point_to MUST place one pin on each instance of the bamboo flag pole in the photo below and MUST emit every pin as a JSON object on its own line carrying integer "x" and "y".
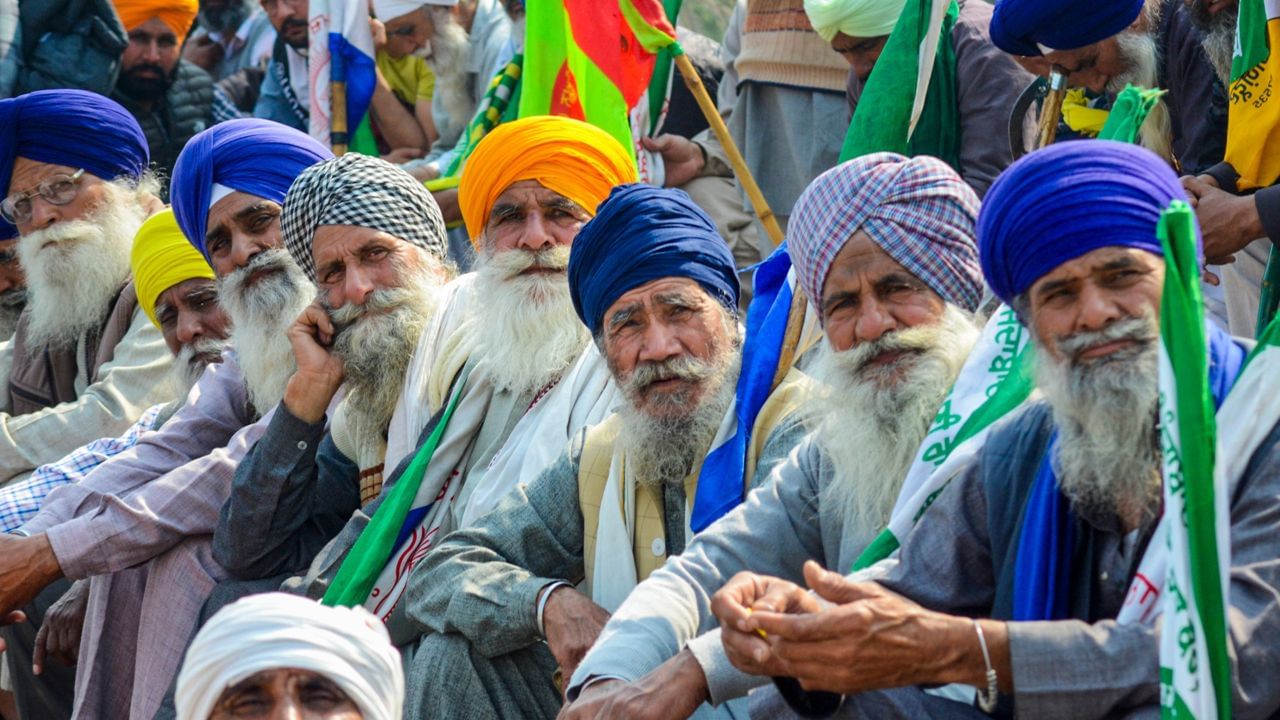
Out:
{"x": 795, "y": 319}
{"x": 338, "y": 117}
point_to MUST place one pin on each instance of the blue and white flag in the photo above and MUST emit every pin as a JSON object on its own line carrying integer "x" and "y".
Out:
{"x": 341, "y": 51}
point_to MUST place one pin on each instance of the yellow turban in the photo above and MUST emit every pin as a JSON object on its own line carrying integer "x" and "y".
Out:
{"x": 162, "y": 258}
{"x": 577, "y": 160}
{"x": 177, "y": 15}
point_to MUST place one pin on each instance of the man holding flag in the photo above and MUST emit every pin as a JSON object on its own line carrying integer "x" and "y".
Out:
{"x": 1038, "y": 576}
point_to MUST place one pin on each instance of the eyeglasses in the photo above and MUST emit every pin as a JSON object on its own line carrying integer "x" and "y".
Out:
{"x": 406, "y": 31}
{"x": 56, "y": 190}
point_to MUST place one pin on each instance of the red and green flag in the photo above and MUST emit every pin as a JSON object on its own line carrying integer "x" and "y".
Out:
{"x": 592, "y": 59}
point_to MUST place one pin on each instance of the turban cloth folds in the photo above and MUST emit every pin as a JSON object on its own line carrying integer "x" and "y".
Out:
{"x": 1019, "y": 27}
{"x": 365, "y": 192}
{"x": 855, "y": 18}
{"x": 162, "y": 258}
{"x": 918, "y": 210}
{"x": 74, "y": 128}
{"x": 391, "y": 9}
{"x": 257, "y": 157}
{"x": 177, "y": 15}
{"x": 641, "y": 234}
{"x": 275, "y": 631}
{"x": 578, "y": 160}
{"x": 1069, "y": 199}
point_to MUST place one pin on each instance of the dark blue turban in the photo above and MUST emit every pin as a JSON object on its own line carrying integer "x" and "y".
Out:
{"x": 1068, "y": 199}
{"x": 253, "y": 156}
{"x": 75, "y": 128}
{"x": 640, "y": 234}
{"x": 1017, "y": 26}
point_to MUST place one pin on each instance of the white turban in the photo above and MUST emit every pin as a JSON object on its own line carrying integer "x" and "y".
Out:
{"x": 386, "y": 10}
{"x": 277, "y": 630}
{"x": 856, "y": 18}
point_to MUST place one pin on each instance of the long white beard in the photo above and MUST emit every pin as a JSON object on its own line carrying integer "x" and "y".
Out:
{"x": 1105, "y": 412}
{"x": 72, "y": 281}
{"x": 526, "y": 327}
{"x": 664, "y": 449}
{"x": 449, "y": 53}
{"x": 1141, "y": 59}
{"x": 261, "y": 315}
{"x": 376, "y": 342}
{"x": 871, "y": 431}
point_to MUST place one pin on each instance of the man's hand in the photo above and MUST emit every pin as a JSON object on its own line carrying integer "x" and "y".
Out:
{"x": 59, "y": 635}
{"x": 27, "y": 565}
{"x": 874, "y": 639}
{"x": 448, "y": 202}
{"x": 740, "y": 598}
{"x": 1228, "y": 222}
{"x": 682, "y": 157}
{"x": 379, "y": 32}
{"x": 423, "y": 173}
{"x": 675, "y": 689}
{"x": 572, "y": 623}
{"x": 400, "y": 156}
{"x": 203, "y": 52}
{"x": 319, "y": 373}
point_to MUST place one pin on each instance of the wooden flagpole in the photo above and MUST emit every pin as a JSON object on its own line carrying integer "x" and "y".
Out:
{"x": 338, "y": 117}
{"x": 795, "y": 318}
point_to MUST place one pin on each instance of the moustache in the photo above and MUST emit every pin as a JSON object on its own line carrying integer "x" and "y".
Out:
{"x": 1140, "y": 330}
{"x": 911, "y": 341}
{"x": 688, "y": 369}
{"x": 378, "y": 302}
{"x": 512, "y": 263}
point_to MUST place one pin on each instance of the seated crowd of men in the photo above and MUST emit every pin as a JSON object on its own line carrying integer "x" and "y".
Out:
{"x": 267, "y": 451}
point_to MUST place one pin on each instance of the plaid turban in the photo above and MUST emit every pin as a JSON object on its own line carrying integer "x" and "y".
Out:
{"x": 918, "y": 210}
{"x": 1069, "y": 199}
{"x": 364, "y": 191}
{"x": 578, "y": 160}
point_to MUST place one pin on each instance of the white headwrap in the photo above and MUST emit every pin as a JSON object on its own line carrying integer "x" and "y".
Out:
{"x": 277, "y": 630}
{"x": 856, "y": 18}
{"x": 386, "y": 10}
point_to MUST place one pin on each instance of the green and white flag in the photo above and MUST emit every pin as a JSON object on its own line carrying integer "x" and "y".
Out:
{"x": 1195, "y": 677}
{"x": 995, "y": 379}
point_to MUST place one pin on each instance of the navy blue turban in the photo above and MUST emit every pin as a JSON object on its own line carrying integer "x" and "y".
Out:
{"x": 258, "y": 157}
{"x": 1066, "y": 200}
{"x": 1018, "y": 27}
{"x": 75, "y": 128}
{"x": 640, "y": 234}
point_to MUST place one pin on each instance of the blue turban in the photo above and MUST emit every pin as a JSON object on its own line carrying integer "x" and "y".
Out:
{"x": 75, "y": 128}
{"x": 1018, "y": 27}
{"x": 258, "y": 157}
{"x": 640, "y": 234}
{"x": 1066, "y": 200}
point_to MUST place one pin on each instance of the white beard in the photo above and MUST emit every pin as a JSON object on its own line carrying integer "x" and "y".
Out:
{"x": 12, "y": 303}
{"x": 72, "y": 281}
{"x": 526, "y": 327}
{"x": 190, "y": 363}
{"x": 1105, "y": 413}
{"x": 448, "y": 53}
{"x": 664, "y": 449}
{"x": 261, "y": 316}
{"x": 871, "y": 432}
{"x": 376, "y": 342}
{"x": 1140, "y": 57}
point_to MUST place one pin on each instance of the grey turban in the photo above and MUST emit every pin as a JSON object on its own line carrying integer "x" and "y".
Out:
{"x": 364, "y": 191}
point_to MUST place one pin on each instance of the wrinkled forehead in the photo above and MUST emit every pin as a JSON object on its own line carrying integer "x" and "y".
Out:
{"x": 662, "y": 291}
{"x": 1100, "y": 260}
{"x": 526, "y": 194}
{"x": 28, "y": 173}
{"x": 228, "y": 207}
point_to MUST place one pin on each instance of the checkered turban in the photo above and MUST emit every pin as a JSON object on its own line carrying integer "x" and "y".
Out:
{"x": 918, "y": 210}
{"x": 364, "y": 191}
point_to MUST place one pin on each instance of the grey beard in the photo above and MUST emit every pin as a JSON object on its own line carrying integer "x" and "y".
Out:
{"x": 1218, "y": 36}
{"x": 1107, "y": 461}
{"x": 376, "y": 342}
{"x": 189, "y": 364}
{"x": 12, "y": 303}
{"x": 871, "y": 432}
{"x": 261, "y": 315}
{"x": 449, "y": 56}
{"x": 663, "y": 450}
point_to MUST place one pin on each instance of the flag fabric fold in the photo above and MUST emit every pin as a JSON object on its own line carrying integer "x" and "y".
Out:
{"x": 341, "y": 51}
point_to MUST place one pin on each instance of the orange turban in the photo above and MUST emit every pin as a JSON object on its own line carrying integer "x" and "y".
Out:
{"x": 570, "y": 157}
{"x": 177, "y": 15}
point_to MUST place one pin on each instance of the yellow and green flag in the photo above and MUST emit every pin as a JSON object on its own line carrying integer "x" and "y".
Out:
{"x": 1253, "y": 120}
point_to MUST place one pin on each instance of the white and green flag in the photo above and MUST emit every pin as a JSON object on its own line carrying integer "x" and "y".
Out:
{"x": 995, "y": 379}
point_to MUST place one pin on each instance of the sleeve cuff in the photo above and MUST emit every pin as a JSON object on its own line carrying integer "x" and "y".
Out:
{"x": 1225, "y": 175}
{"x": 287, "y": 437}
{"x": 724, "y": 681}
{"x": 1267, "y": 200}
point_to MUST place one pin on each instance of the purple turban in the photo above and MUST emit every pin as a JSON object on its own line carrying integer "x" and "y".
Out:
{"x": 1066, "y": 200}
{"x": 75, "y": 128}
{"x": 918, "y": 210}
{"x": 1019, "y": 27}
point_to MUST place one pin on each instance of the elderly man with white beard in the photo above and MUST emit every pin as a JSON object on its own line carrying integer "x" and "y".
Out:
{"x": 505, "y": 351}
{"x": 655, "y": 285}
{"x": 1022, "y": 578}
{"x": 885, "y": 247}
{"x": 372, "y": 239}
{"x": 85, "y": 361}
{"x": 139, "y": 524}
